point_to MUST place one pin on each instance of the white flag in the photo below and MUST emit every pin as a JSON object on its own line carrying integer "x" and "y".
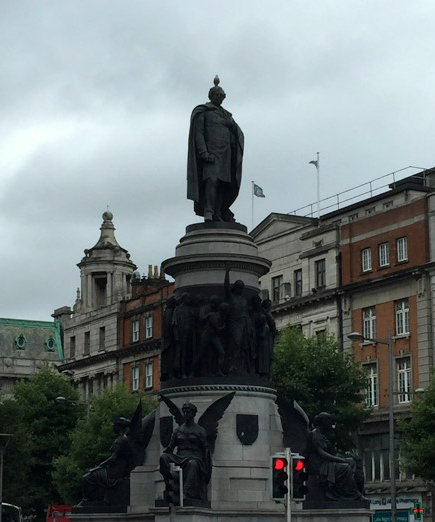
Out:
{"x": 258, "y": 191}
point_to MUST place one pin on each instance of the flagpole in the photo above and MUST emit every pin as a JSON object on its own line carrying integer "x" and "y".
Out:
{"x": 252, "y": 215}
{"x": 318, "y": 187}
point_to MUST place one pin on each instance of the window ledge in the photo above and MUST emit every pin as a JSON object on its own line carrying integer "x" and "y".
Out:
{"x": 368, "y": 343}
{"x": 401, "y": 336}
{"x": 383, "y": 267}
{"x": 363, "y": 272}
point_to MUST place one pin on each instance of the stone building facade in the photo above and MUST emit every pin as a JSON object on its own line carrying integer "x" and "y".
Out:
{"x": 90, "y": 332}
{"x": 26, "y": 346}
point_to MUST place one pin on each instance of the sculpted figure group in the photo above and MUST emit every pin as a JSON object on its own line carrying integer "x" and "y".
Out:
{"x": 217, "y": 337}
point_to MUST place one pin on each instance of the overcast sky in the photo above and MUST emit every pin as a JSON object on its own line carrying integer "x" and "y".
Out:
{"x": 96, "y": 96}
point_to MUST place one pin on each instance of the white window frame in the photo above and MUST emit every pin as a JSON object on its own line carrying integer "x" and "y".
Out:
{"x": 402, "y": 249}
{"x": 369, "y": 322}
{"x": 372, "y": 390}
{"x": 402, "y": 317}
{"x": 404, "y": 379}
{"x": 149, "y": 371}
{"x": 148, "y": 325}
{"x": 366, "y": 259}
{"x": 135, "y": 331}
{"x": 384, "y": 254}
{"x": 135, "y": 378}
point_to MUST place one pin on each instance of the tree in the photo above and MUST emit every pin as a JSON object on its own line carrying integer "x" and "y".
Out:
{"x": 40, "y": 432}
{"x": 320, "y": 377}
{"x": 418, "y": 443}
{"x": 91, "y": 439}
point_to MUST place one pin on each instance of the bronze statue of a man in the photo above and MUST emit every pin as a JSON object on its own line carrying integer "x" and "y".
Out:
{"x": 214, "y": 169}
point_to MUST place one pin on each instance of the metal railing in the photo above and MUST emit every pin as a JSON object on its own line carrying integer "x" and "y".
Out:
{"x": 358, "y": 193}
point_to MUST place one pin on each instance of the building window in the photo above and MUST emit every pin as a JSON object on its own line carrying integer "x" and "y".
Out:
{"x": 276, "y": 289}
{"x": 384, "y": 254}
{"x": 388, "y": 204}
{"x": 135, "y": 331}
{"x": 298, "y": 282}
{"x": 369, "y": 322}
{"x": 366, "y": 259}
{"x": 148, "y": 325}
{"x": 72, "y": 346}
{"x": 135, "y": 378}
{"x": 353, "y": 217}
{"x": 376, "y": 452}
{"x": 102, "y": 339}
{"x": 402, "y": 317}
{"x": 402, "y": 249}
{"x": 149, "y": 373}
{"x": 370, "y": 211}
{"x": 87, "y": 346}
{"x": 20, "y": 342}
{"x": 50, "y": 344}
{"x": 372, "y": 384}
{"x": 404, "y": 379}
{"x": 320, "y": 268}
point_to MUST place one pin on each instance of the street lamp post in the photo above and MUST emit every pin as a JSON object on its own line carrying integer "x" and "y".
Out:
{"x": 4, "y": 439}
{"x": 356, "y": 336}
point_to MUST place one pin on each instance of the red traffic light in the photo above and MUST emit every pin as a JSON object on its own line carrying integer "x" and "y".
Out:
{"x": 299, "y": 465}
{"x": 280, "y": 464}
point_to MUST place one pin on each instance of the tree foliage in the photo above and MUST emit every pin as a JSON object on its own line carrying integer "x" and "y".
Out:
{"x": 40, "y": 433}
{"x": 418, "y": 443}
{"x": 92, "y": 437}
{"x": 320, "y": 377}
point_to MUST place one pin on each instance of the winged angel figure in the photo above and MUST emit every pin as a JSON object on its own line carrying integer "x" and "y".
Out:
{"x": 339, "y": 476}
{"x": 194, "y": 443}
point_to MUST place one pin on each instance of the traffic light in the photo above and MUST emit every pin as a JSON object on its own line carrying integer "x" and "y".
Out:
{"x": 279, "y": 477}
{"x": 173, "y": 491}
{"x": 299, "y": 478}
{"x": 418, "y": 510}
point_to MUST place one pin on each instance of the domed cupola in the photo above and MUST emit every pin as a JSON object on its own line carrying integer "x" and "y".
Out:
{"x": 106, "y": 270}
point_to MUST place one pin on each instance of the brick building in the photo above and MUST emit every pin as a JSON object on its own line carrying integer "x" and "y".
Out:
{"x": 367, "y": 267}
{"x": 140, "y": 329}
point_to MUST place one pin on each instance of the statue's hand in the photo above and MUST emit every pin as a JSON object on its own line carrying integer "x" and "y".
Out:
{"x": 208, "y": 158}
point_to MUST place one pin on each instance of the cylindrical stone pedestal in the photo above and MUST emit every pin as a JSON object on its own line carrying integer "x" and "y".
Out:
{"x": 205, "y": 252}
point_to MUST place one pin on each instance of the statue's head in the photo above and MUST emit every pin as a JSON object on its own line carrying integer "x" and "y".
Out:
{"x": 216, "y": 94}
{"x": 323, "y": 421}
{"x": 171, "y": 302}
{"x": 214, "y": 301}
{"x": 267, "y": 304}
{"x": 189, "y": 410}
{"x": 185, "y": 298}
{"x": 120, "y": 424}
{"x": 238, "y": 286}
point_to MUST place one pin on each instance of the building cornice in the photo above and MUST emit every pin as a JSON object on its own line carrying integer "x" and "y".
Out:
{"x": 119, "y": 353}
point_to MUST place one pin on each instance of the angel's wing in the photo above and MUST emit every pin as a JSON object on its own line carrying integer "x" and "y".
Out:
{"x": 295, "y": 424}
{"x": 140, "y": 434}
{"x": 209, "y": 420}
{"x": 173, "y": 409}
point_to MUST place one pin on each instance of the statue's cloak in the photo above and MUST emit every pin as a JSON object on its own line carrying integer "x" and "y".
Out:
{"x": 195, "y": 185}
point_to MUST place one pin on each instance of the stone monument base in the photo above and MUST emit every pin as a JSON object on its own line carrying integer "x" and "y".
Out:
{"x": 194, "y": 514}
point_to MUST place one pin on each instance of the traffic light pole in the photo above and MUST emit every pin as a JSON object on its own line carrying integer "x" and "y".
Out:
{"x": 288, "y": 456}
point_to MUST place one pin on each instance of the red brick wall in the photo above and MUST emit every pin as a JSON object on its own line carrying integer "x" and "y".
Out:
{"x": 416, "y": 233}
{"x": 385, "y": 320}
